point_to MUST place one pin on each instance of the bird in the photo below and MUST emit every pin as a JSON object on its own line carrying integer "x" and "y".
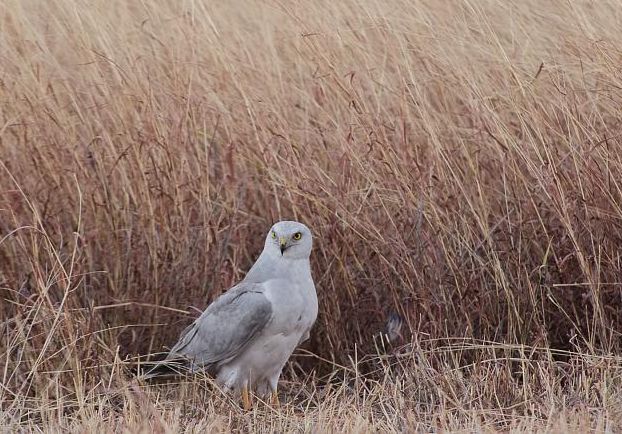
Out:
{"x": 245, "y": 337}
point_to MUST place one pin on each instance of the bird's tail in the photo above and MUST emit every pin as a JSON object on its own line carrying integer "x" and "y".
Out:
{"x": 166, "y": 367}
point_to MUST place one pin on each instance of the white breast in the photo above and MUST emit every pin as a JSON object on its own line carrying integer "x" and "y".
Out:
{"x": 294, "y": 310}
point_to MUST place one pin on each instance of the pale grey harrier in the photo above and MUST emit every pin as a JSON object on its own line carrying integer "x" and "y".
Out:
{"x": 247, "y": 334}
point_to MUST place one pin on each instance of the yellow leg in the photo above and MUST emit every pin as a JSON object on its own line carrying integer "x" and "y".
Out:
{"x": 246, "y": 399}
{"x": 274, "y": 399}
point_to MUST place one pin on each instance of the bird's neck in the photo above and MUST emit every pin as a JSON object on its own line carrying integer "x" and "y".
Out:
{"x": 269, "y": 266}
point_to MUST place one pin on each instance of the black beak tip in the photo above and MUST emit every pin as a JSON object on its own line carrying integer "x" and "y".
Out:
{"x": 283, "y": 250}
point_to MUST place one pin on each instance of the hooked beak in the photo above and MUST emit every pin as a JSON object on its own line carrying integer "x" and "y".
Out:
{"x": 283, "y": 245}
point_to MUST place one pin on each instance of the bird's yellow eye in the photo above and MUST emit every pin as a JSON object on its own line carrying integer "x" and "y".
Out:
{"x": 297, "y": 236}
{"x": 273, "y": 235}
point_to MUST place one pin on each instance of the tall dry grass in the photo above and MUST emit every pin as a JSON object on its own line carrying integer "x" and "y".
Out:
{"x": 458, "y": 161}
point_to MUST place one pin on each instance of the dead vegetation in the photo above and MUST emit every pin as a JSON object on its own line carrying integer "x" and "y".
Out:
{"x": 459, "y": 163}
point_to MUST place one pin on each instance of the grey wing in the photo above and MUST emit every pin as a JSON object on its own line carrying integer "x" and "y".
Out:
{"x": 225, "y": 327}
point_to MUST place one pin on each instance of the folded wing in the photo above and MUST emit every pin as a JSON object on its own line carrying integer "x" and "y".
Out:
{"x": 225, "y": 328}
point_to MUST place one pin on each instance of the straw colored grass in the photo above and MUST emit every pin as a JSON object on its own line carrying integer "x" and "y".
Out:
{"x": 458, "y": 161}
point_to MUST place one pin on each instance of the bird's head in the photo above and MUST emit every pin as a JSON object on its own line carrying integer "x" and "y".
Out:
{"x": 289, "y": 239}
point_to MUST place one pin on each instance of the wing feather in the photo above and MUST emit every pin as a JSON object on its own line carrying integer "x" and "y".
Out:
{"x": 226, "y": 327}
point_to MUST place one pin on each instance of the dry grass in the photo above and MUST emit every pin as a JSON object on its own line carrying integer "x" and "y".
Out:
{"x": 458, "y": 161}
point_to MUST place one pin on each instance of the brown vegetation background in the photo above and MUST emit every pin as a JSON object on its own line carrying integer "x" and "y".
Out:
{"x": 458, "y": 162}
